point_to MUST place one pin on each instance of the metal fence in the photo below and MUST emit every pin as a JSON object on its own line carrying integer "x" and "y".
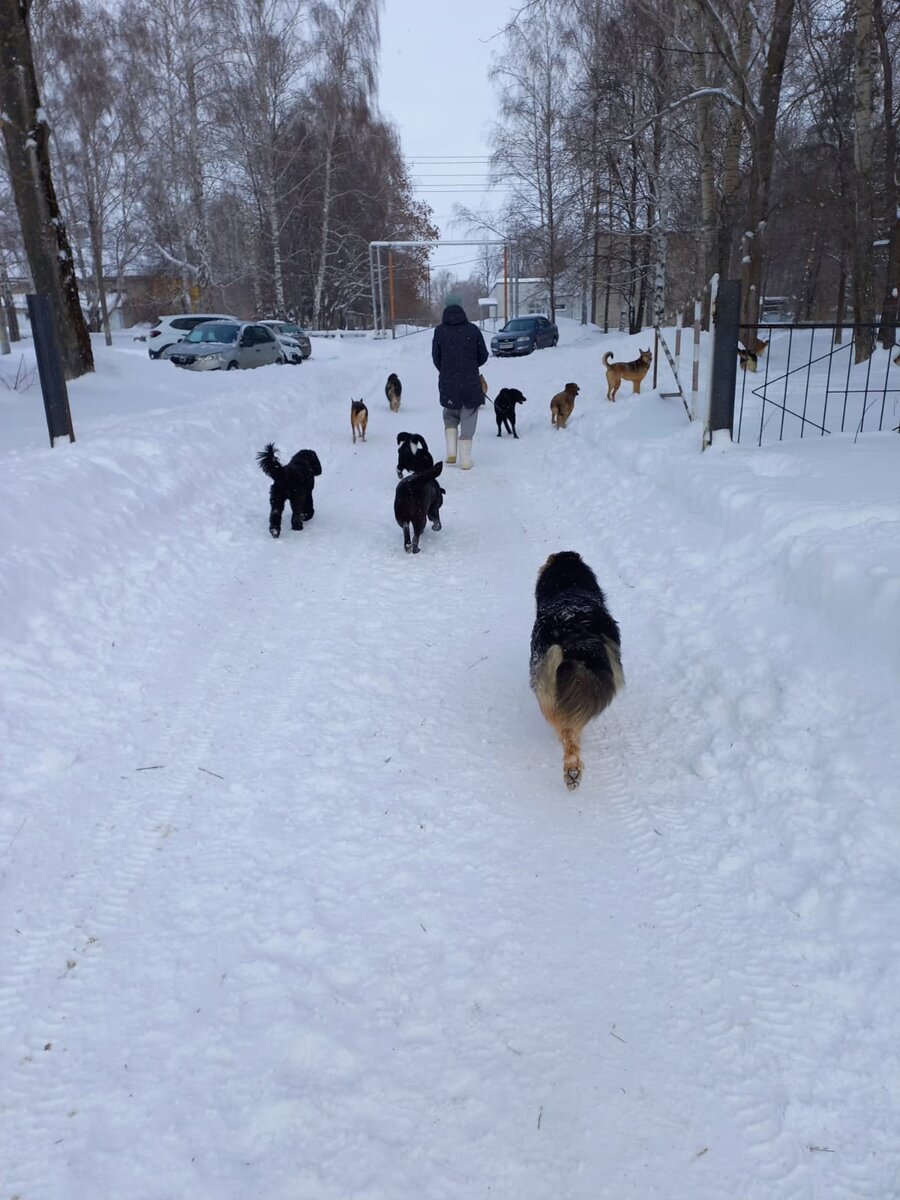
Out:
{"x": 807, "y": 384}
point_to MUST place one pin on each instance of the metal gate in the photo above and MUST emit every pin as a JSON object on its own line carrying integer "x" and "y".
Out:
{"x": 806, "y": 384}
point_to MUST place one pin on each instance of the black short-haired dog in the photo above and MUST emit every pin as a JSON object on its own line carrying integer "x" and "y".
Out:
{"x": 412, "y": 453}
{"x": 505, "y": 410}
{"x": 418, "y": 499}
{"x": 291, "y": 484}
{"x": 393, "y": 389}
{"x": 576, "y": 660}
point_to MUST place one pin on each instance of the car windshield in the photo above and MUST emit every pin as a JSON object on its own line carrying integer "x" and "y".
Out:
{"x": 213, "y": 332}
{"x": 521, "y": 326}
{"x": 289, "y": 330}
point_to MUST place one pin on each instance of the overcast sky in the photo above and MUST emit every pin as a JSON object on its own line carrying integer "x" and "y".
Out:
{"x": 434, "y": 87}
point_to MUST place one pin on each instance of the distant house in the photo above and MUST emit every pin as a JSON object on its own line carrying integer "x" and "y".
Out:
{"x": 532, "y": 295}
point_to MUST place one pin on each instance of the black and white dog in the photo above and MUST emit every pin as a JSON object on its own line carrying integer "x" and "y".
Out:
{"x": 505, "y": 410}
{"x": 418, "y": 499}
{"x": 576, "y": 659}
{"x": 291, "y": 484}
{"x": 412, "y": 453}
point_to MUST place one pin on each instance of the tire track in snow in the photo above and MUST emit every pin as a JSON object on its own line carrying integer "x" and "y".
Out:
{"x": 51, "y": 969}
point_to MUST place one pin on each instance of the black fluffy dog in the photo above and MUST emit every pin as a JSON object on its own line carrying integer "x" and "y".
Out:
{"x": 290, "y": 484}
{"x": 412, "y": 453}
{"x": 576, "y": 661}
{"x": 418, "y": 499}
{"x": 393, "y": 389}
{"x": 505, "y": 409}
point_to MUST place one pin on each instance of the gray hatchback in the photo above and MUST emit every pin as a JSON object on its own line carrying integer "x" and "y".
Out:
{"x": 227, "y": 345}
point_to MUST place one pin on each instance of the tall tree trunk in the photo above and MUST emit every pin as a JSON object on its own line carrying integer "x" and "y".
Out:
{"x": 890, "y": 308}
{"x": 27, "y": 137}
{"x": 763, "y": 146}
{"x": 863, "y": 256}
{"x": 97, "y": 256}
{"x": 325, "y": 228}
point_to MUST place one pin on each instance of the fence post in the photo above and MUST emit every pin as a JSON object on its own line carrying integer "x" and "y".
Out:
{"x": 724, "y": 364}
{"x": 695, "y": 370}
{"x": 50, "y": 369}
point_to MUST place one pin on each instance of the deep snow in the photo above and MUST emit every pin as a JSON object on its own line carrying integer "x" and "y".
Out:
{"x": 293, "y": 901}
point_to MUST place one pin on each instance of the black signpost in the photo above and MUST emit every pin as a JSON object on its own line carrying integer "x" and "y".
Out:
{"x": 50, "y": 369}
{"x": 724, "y": 364}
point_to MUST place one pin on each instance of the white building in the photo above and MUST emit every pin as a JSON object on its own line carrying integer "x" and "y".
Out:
{"x": 527, "y": 296}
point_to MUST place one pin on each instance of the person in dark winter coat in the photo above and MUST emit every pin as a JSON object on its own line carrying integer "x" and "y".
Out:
{"x": 458, "y": 350}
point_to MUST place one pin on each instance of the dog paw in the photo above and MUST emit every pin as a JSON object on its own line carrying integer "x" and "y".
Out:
{"x": 436, "y": 525}
{"x": 275, "y": 532}
{"x": 572, "y": 777}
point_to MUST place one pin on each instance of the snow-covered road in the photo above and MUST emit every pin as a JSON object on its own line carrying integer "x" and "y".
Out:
{"x": 294, "y": 901}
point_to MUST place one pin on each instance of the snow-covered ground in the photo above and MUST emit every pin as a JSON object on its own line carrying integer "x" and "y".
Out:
{"x": 293, "y": 901}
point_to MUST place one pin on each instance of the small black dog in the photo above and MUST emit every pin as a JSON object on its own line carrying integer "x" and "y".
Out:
{"x": 412, "y": 453}
{"x": 393, "y": 389}
{"x": 505, "y": 410}
{"x": 576, "y": 661}
{"x": 292, "y": 483}
{"x": 418, "y": 499}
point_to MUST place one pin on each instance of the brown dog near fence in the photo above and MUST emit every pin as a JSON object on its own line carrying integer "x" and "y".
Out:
{"x": 633, "y": 371}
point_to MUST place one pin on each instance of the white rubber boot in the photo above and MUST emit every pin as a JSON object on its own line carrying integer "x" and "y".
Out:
{"x": 465, "y": 454}
{"x": 451, "y": 435}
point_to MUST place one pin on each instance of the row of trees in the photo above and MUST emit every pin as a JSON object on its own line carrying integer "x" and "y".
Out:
{"x": 647, "y": 147}
{"x": 229, "y": 150}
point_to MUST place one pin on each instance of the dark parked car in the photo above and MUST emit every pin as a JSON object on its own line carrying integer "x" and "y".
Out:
{"x": 521, "y": 335}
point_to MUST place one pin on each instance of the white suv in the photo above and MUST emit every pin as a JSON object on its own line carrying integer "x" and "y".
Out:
{"x": 169, "y": 330}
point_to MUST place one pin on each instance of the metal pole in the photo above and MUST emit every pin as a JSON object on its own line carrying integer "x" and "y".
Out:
{"x": 380, "y": 285}
{"x": 372, "y": 283}
{"x": 391, "y": 288}
{"x": 505, "y": 283}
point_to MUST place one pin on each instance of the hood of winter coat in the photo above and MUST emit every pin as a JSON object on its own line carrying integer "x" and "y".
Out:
{"x": 454, "y": 314}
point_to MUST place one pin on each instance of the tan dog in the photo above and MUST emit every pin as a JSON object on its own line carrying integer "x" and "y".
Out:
{"x": 562, "y": 405}
{"x": 758, "y": 347}
{"x": 632, "y": 371}
{"x": 359, "y": 419}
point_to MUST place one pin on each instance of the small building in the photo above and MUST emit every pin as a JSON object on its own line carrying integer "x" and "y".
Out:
{"x": 532, "y": 295}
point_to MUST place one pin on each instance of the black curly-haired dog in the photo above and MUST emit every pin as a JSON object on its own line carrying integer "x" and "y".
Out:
{"x": 576, "y": 660}
{"x": 412, "y": 453}
{"x": 418, "y": 499}
{"x": 393, "y": 389}
{"x": 505, "y": 410}
{"x": 291, "y": 484}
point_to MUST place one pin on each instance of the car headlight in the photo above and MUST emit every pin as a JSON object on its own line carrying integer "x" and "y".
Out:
{"x": 524, "y": 340}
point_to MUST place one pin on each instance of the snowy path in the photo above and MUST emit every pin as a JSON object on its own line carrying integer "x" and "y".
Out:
{"x": 320, "y": 920}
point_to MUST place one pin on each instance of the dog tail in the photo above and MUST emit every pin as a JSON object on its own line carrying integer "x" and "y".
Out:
{"x": 572, "y": 692}
{"x": 607, "y": 358}
{"x": 268, "y": 461}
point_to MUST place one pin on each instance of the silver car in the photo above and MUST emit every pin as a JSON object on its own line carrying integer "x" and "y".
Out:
{"x": 227, "y": 345}
{"x": 289, "y": 329}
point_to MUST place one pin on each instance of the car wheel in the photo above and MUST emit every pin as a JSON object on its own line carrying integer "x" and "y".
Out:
{"x": 154, "y": 353}
{"x": 534, "y": 346}
{"x": 555, "y": 342}
{"x": 232, "y": 366}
